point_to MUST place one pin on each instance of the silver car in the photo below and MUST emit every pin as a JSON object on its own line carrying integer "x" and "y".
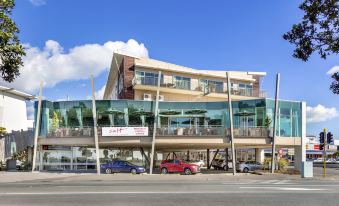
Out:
{"x": 248, "y": 166}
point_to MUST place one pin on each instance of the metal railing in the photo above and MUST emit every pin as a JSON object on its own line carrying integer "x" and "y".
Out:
{"x": 71, "y": 132}
{"x": 201, "y": 130}
{"x": 191, "y": 131}
{"x": 249, "y": 132}
{"x": 186, "y": 85}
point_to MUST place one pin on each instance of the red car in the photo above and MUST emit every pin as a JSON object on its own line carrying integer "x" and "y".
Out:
{"x": 180, "y": 166}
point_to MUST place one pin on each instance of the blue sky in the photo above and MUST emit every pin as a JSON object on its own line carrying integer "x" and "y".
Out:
{"x": 225, "y": 35}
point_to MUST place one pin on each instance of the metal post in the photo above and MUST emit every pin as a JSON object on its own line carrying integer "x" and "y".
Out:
{"x": 231, "y": 120}
{"x": 324, "y": 152}
{"x": 226, "y": 158}
{"x": 155, "y": 122}
{"x": 276, "y": 105}
{"x": 94, "y": 112}
{"x": 208, "y": 159}
{"x": 37, "y": 128}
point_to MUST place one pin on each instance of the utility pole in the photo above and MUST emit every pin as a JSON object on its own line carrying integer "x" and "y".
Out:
{"x": 231, "y": 120}
{"x": 37, "y": 128}
{"x": 155, "y": 123}
{"x": 96, "y": 140}
{"x": 324, "y": 152}
{"x": 276, "y": 105}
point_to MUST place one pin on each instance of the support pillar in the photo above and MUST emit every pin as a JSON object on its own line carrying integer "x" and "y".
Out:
{"x": 188, "y": 155}
{"x": 300, "y": 151}
{"x": 259, "y": 155}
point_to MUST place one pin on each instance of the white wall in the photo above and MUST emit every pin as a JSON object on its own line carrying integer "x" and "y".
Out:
{"x": 13, "y": 113}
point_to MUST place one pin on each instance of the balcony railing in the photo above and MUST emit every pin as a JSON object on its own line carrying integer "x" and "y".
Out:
{"x": 193, "y": 131}
{"x": 71, "y": 132}
{"x": 187, "y": 85}
{"x": 249, "y": 132}
{"x": 202, "y": 130}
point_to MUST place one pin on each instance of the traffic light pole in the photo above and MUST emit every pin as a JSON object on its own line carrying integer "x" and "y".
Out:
{"x": 324, "y": 151}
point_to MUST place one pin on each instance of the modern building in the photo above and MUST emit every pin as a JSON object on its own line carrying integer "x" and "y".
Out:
{"x": 184, "y": 110}
{"x": 13, "y": 113}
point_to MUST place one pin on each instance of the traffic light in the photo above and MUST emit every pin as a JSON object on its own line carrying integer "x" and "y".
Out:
{"x": 321, "y": 147}
{"x": 329, "y": 137}
{"x": 322, "y": 138}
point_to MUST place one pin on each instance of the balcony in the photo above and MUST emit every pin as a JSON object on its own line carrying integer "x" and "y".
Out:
{"x": 193, "y": 131}
{"x": 71, "y": 132}
{"x": 207, "y": 130}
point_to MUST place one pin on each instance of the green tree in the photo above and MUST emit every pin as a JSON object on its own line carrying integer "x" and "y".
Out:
{"x": 2, "y": 131}
{"x": 11, "y": 51}
{"x": 318, "y": 32}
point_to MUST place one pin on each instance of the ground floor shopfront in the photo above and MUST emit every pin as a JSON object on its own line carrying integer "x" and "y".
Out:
{"x": 83, "y": 158}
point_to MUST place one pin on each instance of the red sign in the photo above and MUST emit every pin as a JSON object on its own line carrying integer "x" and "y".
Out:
{"x": 316, "y": 147}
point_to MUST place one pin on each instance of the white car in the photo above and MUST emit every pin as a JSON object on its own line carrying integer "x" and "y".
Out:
{"x": 200, "y": 163}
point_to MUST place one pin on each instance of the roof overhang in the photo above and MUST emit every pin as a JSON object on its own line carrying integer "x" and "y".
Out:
{"x": 17, "y": 93}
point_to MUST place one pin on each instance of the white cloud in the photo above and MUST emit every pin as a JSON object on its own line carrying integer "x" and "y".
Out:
{"x": 38, "y": 2}
{"x": 320, "y": 113}
{"x": 100, "y": 93}
{"x": 53, "y": 65}
{"x": 333, "y": 70}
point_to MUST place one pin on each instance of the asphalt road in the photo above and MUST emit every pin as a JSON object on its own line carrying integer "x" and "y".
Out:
{"x": 146, "y": 190}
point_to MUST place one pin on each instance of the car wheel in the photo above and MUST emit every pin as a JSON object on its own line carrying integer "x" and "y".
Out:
{"x": 187, "y": 171}
{"x": 245, "y": 170}
{"x": 164, "y": 170}
{"x": 108, "y": 171}
{"x": 133, "y": 171}
{"x": 225, "y": 168}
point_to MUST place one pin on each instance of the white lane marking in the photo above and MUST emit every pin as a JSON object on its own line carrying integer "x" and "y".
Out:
{"x": 285, "y": 188}
{"x": 112, "y": 192}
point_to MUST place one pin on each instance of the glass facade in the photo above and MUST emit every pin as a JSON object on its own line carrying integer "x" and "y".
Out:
{"x": 84, "y": 158}
{"x": 250, "y": 117}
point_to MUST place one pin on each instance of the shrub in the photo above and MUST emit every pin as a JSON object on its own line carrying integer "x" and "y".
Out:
{"x": 282, "y": 163}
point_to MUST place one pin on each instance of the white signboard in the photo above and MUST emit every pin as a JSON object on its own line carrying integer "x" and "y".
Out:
{"x": 124, "y": 131}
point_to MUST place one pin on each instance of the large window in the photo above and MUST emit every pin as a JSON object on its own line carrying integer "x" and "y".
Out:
{"x": 242, "y": 89}
{"x": 182, "y": 82}
{"x": 211, "y": 86}
{"x": 148, "y": 78}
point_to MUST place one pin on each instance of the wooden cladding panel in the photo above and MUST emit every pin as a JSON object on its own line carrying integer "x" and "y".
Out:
{"x": 127, "y": 69}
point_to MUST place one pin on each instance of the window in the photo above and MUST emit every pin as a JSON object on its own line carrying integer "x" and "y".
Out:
{"x": 242, "y": 89}
{"x": 182, "y": 82}
{"x": 148, "y": 78}
{"x": 212, "y": 86}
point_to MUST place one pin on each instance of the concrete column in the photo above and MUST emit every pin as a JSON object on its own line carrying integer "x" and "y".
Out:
{"x": 259, "y": 155}
{"x": 300, "y": 151}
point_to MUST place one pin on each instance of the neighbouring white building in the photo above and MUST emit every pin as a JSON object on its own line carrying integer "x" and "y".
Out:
{"x": 13, "y": 112}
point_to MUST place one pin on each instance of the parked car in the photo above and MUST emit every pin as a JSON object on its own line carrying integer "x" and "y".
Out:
{"x": 220, "y": 164}
{"x": 200, "y": 163}
{"x": 122, "y": 166}
{"x": 169, "y": 166}
{"x": 248, "y": 166}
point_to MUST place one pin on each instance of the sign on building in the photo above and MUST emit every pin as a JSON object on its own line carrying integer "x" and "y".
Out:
{"x": 124, "y": 131}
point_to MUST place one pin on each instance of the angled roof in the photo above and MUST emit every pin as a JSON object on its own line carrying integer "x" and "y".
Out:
{"x": 16, "y": 92}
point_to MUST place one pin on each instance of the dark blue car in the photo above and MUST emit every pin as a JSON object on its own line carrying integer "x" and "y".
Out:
{"x": 122, "y": 166}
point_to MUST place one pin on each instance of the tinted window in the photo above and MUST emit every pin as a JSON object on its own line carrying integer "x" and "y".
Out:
{"x": 115, "y": 163}
{"x": 176, "y": 162}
